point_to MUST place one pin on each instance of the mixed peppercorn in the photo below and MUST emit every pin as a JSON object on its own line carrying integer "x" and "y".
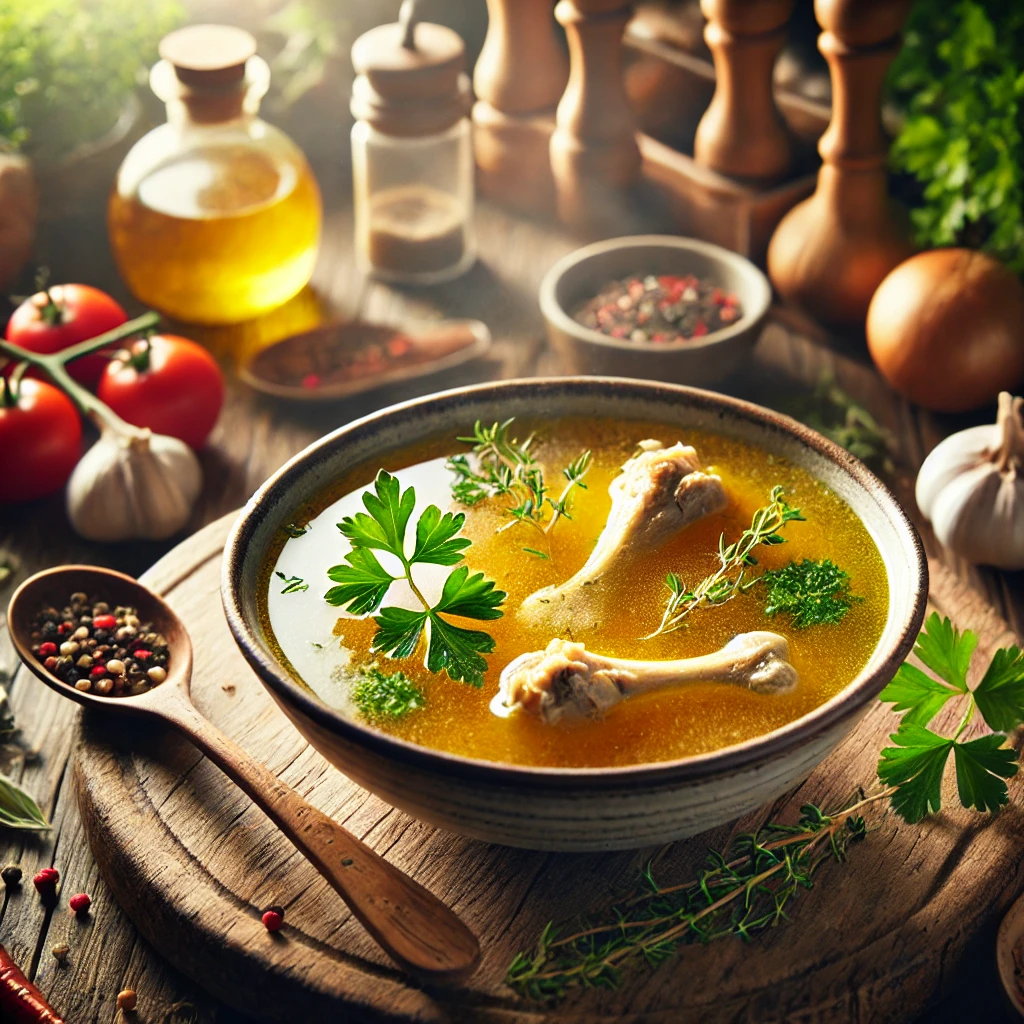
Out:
{"x": 661, "y": 308}
{"x": 99, "y": 649}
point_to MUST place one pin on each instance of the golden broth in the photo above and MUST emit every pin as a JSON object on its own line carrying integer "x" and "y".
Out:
{"x": 655, "y": 727}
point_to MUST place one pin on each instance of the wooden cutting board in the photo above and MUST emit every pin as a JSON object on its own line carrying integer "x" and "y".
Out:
{"x": 193, "y": 863}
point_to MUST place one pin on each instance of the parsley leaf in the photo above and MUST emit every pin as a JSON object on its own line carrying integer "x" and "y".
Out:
{"x": 916, "y": 693}
{"x": 981, "y": 767}
{"x": 364, "y": 582}
{"x": 435, "y": 537}
{"x": 915, "y": 766}
{"x": 457, "y": 651}
{"x": 398, "y": 632}
{"x": 1000, "y": 694}
{"x": 389, "y": 511}
{"x": 382, "y": 695}
{"x": 946, "y": 651}
{"x": 811, "y": 593}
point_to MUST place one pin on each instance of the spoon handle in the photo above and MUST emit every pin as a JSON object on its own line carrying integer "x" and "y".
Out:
{"x": 420, "y": 933}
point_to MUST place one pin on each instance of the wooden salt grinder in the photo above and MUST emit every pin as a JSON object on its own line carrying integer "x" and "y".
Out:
{"x": 594, "y": 152}
{"x": 519, "y": 78}
{"x": 831, "y": 252}
{"x": 742, "y": 133}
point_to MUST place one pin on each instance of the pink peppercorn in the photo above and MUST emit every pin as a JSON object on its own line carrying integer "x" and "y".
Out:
{"x": 273, "y": 918}
{"x": 142, "y": 654}
{"x": 46, "y": 882}
{"x": 98, "y": 670}
{"x": 80, "y": 903}
{"x": 47, "y": 649}
{"x": 104, "y": 622}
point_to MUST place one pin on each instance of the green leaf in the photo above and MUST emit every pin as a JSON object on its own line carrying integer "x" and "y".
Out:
{"x": 916, "y": 693}
{"x": 292, "y": 584}
{"x": 382, "y": 695}
{"x": 399, "y": 631}
{"x": 473, "y": 597}
{"x": 436, "y": 542}
{"x": 811, "y": 593}
{"x": 981, "y": 767}
{"x": 915, "y": 766}
{"x": 18, "y": 809}
{"x": 364, "y": 582}
{"x": 389, "y": 511}
{"x": 458, "y": 651}
{"x": 1000, "y": 694}
{"x": 946, "y": 651}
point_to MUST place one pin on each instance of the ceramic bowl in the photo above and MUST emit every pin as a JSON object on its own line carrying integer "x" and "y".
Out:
{"x": 585, "y": 808}
{"x": 582, "y": 274}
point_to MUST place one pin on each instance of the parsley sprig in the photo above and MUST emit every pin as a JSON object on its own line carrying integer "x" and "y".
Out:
{"x": 363, "y": 582}
{"x": 730, "y": 578}
{"x": 917, "y": 762}
{"x": 811, "y": 593}
{"x": 500, "y": 465}
{"x": 382, "y": 696}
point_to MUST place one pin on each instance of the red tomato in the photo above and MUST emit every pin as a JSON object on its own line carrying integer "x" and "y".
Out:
{"x": 40, "y": 441}
{"x": 62, "y": 316}
{"x": 175, "y": 388}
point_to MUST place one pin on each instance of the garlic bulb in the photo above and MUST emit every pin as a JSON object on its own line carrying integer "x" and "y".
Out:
{"x": 971, "y": 488}
{"x": 133, "y": 485}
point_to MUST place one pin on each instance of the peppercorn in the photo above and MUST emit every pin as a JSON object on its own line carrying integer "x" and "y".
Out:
{"x": 80, "y": 903}
{"x": 273, "y": 918}
{"x": 46, "y": 883}
{"x": 60, "y": 954}
{"x": 11, "y": 876}
{"x": 127, "y": 999}
{"x": 104, "y": 622}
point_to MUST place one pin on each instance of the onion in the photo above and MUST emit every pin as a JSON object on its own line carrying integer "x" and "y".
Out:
{"x": 946, "y": 329}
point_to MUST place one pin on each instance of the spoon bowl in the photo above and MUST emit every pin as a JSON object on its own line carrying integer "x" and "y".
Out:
{"x": 412, "y": 926}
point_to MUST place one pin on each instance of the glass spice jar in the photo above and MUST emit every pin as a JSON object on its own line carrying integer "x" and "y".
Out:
{"x": 412, "y": 152}
{"x": 215, "y": 216}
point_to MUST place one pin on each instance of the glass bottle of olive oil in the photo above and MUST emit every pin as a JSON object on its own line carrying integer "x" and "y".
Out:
{"x": 215, "y": 216}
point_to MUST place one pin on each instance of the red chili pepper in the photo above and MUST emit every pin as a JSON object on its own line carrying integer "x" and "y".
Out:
{"x": 20, "y": 1001}
{"x": 46, "y": 649}
{"x": 104, "y": 622}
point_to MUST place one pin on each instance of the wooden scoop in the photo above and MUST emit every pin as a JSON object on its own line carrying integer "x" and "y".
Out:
{"x": 412, "y": 926}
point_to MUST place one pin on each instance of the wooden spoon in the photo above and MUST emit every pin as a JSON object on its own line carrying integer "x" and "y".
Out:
{"x": 414, "y": 928}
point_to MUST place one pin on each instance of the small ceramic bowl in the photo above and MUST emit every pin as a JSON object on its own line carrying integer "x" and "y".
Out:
{"x": 582, "y": 274}
{"x": 578, "y": 808}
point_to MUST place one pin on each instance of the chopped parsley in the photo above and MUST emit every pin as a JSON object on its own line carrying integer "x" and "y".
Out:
{"x": 811, "y": 593}
{"x": 381, "y": 695}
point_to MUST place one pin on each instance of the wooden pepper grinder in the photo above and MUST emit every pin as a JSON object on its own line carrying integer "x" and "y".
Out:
{"x": 519, "y": 78}
{"x": 594, "y": 152}
{"x": 831, "y": 252}
{"x": 742, "y": 133}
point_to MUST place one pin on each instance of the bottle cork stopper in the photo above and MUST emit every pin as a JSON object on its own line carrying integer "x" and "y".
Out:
{"x": 208, "y": 56}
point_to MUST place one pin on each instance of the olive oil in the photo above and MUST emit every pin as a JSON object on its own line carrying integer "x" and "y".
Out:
{"x": 320, "y": 644}
{"x": 218, "y": 235}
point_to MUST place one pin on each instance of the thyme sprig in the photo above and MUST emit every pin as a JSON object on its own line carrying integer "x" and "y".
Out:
{"x": 730, "y": 578}
{"x": 500, "y": 465}
{"x": 741, "y": 891}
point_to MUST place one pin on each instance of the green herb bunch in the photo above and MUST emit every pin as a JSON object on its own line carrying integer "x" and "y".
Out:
{"x": 741, "y": 891}
{"x": 960, "y": 81}
{"x": 69, "y": 67}
{"x": 381, "y": 695}
{"x": 363, "y": 582}
{"x": 915, "y": 765}
{"x": 500, "y": 465}
{"x": 730, "y": 578}
{"x": 811, "y": 593}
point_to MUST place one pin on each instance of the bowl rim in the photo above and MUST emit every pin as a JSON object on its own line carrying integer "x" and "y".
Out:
{"x": 749, "y": 754}
{"x": 557, "y": 316}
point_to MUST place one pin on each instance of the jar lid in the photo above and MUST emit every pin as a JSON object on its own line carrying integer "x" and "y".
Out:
{"x": 208, "y": 56}
{"x": 412, "y": 78}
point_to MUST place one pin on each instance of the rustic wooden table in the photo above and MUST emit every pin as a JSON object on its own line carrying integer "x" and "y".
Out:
{"x": 255, "y": 436}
